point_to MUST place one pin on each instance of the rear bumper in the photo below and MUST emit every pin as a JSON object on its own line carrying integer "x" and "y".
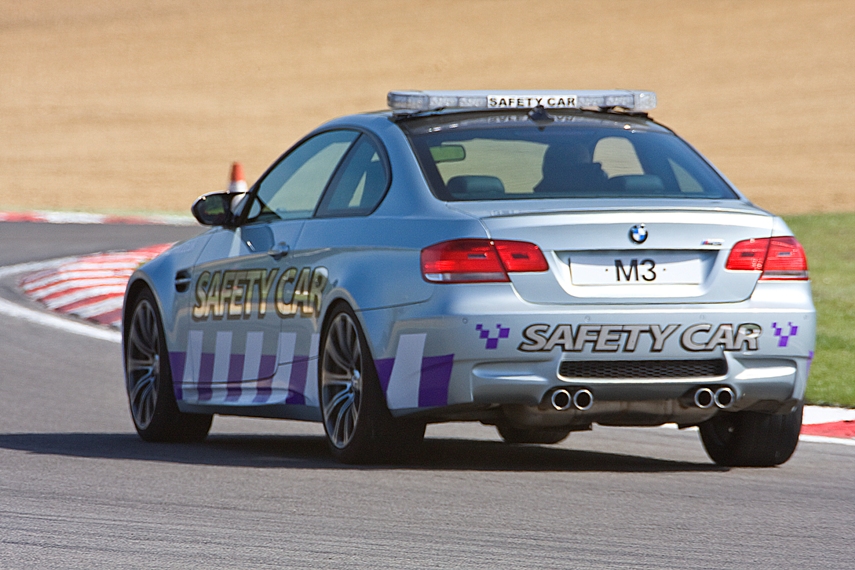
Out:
{"x": 760, "y": 384}
{"x": 482, "y": 348}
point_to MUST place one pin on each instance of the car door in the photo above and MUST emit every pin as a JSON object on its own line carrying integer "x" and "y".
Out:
{"x": 329, "y": 246}
{"x": 244, "y": 282}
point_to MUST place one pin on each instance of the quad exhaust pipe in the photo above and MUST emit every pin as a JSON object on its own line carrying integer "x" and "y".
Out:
{"x": 581, "y": 399}
{"x": 724, "y": 397}
{"x": 705, "y": 398}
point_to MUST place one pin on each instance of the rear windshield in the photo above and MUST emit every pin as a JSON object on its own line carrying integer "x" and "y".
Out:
{"x": 521, "y": 159}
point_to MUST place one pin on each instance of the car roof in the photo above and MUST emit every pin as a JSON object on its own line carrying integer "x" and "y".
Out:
{"x": 416, "y": 109}
{"x": 467, "y": 118}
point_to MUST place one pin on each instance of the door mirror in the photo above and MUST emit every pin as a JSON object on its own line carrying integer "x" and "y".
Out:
{"x": 216, "y": 209}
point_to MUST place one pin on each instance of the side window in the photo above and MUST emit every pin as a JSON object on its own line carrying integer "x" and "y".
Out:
{"x": 686, "y": 182}
{"x": 359, "y": 184}
{"x": 292, "y": 189}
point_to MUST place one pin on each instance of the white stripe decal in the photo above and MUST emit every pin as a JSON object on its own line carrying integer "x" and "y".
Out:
{"x": 252, "y": 355}
{"x": 403, "y": 390}
{"x": 310, "y": 393}
{"x": 251, "y": 365}
{"x": 285, "y": 356}
{"x": 192, "y": 363}
{"x": 222, "y": 357}
{"x": 59, "y": 323}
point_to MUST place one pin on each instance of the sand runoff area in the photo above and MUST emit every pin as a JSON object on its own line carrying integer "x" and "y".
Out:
{"x": 140, "y": 106}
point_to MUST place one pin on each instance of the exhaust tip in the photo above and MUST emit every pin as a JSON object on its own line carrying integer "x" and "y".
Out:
{"x": 561, "y": 400}
{"x": 724, "y": 397}
{"x": 583, "y": 399}
{"x": 704, "y": 398}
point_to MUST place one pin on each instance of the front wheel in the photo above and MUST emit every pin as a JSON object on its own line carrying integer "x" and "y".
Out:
{"x": 148, "y": 379}
{"x": 357, "y": 423}
{"x": 752, "y": 439}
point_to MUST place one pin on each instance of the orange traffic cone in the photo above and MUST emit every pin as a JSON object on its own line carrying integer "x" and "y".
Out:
{"x": 238, "y": 182}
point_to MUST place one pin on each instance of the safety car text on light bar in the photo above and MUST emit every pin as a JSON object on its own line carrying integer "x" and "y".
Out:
{"x": 531, "y": 101}
{"x": 417, "y": 101}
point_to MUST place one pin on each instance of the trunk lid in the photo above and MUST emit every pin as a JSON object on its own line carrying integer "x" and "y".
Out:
{"x": 631, "y": 255}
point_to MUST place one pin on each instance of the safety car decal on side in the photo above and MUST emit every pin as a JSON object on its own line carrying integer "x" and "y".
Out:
{"x": 248, "y": 377}
{"x": 246, "y": 294}
{"x": 413, "y": 380}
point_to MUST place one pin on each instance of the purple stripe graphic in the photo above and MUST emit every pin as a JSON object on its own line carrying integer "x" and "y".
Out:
{"x": 267, "y": 366}
{"x": 297, "y": 384}
{"x": 206, "y": 375}
{"x": 436, "y": 374}
{"x": 384, "y": 371}
{"x": 233, "y": 387}
{"x": 177, "y": 361}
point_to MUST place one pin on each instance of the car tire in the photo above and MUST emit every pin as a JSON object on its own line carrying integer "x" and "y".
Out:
{"x": 148, "y": 379}
{"x": 752, "y": 439}
{"x": 357, "y": 421}
{"x": 515, "y": 435}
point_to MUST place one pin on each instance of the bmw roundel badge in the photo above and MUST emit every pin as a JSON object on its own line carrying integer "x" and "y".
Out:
{"x": 638, "y": 234}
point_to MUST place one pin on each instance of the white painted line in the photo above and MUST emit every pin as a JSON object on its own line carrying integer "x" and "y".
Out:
{"x": 99, "y": 308}
{"x": 809, "y": 410}
{"x": 63, "y": 286}
{"x": 823, "y": 439}
{"x": 46, "y": 319}
{"x": 84, "y": 218}
{"x": 10, "y": 270}
{"x": 83, "y": 294}
{"x": 93, "y": 331}
{"x": 827, "y": 415}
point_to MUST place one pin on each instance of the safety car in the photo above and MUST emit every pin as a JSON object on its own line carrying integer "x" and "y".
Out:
{"x": 540, "y": 261}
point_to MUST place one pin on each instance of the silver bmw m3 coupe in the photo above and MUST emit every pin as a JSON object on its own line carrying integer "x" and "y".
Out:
{"x": 537, "y": 261}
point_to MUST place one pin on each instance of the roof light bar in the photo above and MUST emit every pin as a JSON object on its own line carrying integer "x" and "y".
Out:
{"x": 417, "y": 101}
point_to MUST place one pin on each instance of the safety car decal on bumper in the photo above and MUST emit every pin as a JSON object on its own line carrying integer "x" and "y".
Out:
{"x": 700, "y": 337}
{"x": 413, "y": 380}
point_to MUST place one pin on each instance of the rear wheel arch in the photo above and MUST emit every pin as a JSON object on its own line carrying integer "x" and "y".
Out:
{"x": 353, "y": 407}
{"x": 330, "y": 311}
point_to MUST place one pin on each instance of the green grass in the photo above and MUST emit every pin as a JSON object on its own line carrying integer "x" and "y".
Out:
{"x": 829, "y": 240}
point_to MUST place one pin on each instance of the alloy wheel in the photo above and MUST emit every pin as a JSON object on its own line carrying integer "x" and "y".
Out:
{"x": 143, "y": 363}
{"x": 341, "y": 380}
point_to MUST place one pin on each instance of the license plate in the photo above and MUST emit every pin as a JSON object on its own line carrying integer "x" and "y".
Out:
{"x": 660, "y": 268}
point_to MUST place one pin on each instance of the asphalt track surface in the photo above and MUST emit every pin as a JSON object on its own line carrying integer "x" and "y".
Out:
{"x": 78, "y": 489}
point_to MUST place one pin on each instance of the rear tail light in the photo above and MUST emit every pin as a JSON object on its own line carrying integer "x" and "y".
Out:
{"x": 520, "y": 256}
{"x": 779, "y": 258}
{"x": 480, "y": 260}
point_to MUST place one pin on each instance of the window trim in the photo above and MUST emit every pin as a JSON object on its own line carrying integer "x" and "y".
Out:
{"x": 342, "y": 165}
{"x": 252, "y": 193}
{"x": 437, "y": 188}
{"x": 361, "y": 131}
